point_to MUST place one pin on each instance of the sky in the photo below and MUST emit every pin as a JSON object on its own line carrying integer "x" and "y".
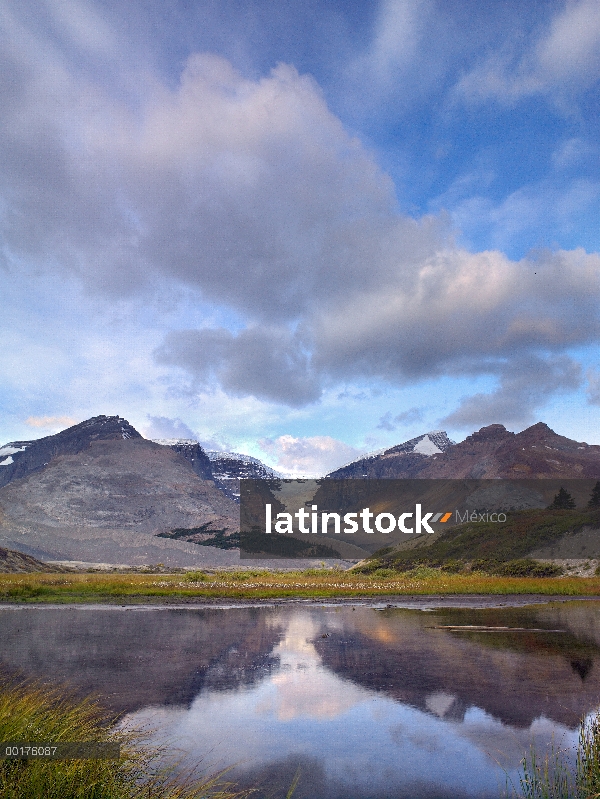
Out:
{"x": 300, "y": 231}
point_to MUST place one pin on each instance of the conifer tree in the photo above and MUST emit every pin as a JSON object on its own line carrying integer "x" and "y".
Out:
{"x": 562, "y": 501}
{"x": 595, "y": 498}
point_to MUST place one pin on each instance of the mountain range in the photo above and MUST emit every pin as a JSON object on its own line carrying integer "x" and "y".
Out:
{"x": 100, "y": 492}
{"x": 492, "y": 452}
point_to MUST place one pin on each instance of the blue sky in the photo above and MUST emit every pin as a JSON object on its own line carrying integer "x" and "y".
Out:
{"x": 303, "y": 231}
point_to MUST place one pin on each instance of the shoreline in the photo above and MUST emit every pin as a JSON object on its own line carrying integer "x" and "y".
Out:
{"x": 415, "y": 602}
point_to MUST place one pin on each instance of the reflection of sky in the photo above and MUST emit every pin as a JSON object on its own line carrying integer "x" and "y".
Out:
{"x": 369, "y": 743}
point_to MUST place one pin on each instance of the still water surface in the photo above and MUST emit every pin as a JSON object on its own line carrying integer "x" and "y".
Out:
{"x": 366, "y": 702}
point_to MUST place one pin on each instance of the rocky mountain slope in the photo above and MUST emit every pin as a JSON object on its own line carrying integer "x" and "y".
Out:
{"x": 537, "y": 452}
{"x": 20, "y": 458}
{"x": 100, "y": 492}
{"x": 108, "y": 502}
{"x": 500, "y": 548}
{"x": 228, "y": 468}
{"x": 402, "y": 460}
{"x": 492, "y": 452}
{"x": 16, "y": 563}
{"x": 192, "y": 452}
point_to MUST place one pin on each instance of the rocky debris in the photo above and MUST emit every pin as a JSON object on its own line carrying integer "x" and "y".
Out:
{"x": 228, "y": 468}
{"x": 581, "y": 544}
{"x": 16, "y": 562}
{"x": 574, "y": 567}
{"x": 75, "y": 545}
{"x": 21, "y": 458}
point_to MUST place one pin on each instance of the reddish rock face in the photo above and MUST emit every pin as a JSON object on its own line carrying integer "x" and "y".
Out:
{"x": 538, "y": 452}
{"x": 493, "y": 452}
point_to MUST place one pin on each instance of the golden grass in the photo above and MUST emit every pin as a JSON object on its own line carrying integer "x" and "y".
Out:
{"x": 82, "y": 587}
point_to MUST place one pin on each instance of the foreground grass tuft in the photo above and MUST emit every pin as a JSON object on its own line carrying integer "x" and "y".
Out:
{"x": 551, "y": 778}
{"x": 32, "y": 713}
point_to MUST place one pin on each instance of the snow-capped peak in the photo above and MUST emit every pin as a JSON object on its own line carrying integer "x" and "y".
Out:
{"x": 426, "y": 447}
{"x": 431, "y": 443}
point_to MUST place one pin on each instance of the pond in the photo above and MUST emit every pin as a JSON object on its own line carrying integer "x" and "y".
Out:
{"x": 365, "y": 701}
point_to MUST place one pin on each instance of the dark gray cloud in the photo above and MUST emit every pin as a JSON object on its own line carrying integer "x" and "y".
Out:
{"x": 526, "y": 384}
{"x": 267, "y": 363}
{"x": 390, "y": 423}
{"x": 453, "y": 313}
{"x": 464, "y": 312}
{"x": 386, "y": 422}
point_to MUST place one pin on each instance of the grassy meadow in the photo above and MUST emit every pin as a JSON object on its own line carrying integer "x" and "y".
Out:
{"x": 262, "y": 585}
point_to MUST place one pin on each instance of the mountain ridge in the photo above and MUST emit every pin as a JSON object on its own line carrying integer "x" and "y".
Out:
{"x": 100, "y": 492}
{"x": 426, "y": 444}
{"x": 491, "y": 452}
{"x": 20, "y": 458}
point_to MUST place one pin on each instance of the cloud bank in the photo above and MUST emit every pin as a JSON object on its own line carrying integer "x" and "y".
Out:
{"x": 251, "y": 193}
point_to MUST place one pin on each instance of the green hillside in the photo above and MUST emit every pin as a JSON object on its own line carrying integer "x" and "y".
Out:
{"x": 488, "y": 546}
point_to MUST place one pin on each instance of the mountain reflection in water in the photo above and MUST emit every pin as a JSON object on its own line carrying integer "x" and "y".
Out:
{"x": 367, "y": 702}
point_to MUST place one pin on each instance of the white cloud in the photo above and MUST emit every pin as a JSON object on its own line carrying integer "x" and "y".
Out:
{"x": 571, "y": 49}
{"x": 396, "y": 41}
{"x": 250, "y": 193}
{"x": 51, "y": 422}
{"x": 593, "y": 386}
{"x": 313, "y": 456}
{"x": 544, "y": 210}
{"x": 565, "y": 57}
{"x": 83, "y": 25}
{"x": 164, "y": 427}
{"x": 571, "y": 152}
